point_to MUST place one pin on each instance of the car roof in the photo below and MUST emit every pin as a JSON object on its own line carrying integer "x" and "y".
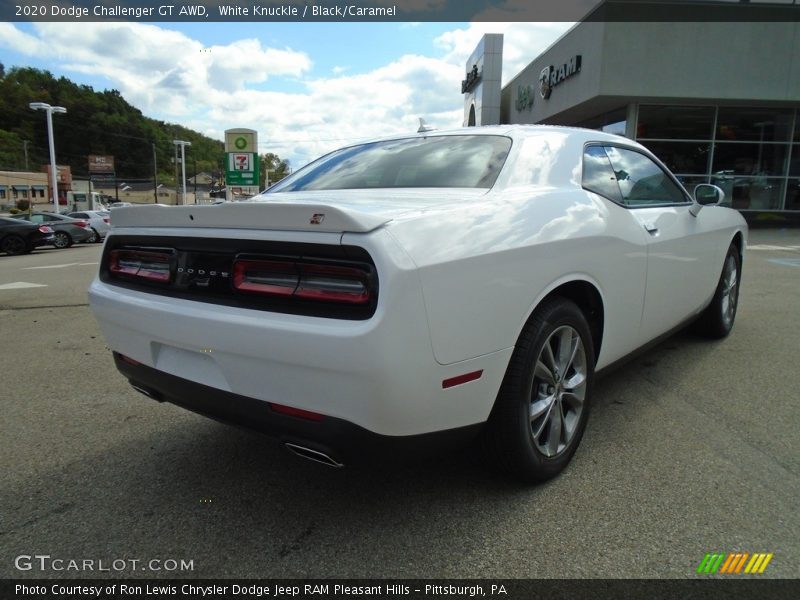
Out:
{"x": 516, "y": 132}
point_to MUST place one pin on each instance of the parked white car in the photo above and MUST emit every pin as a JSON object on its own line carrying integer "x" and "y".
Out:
{"x": 99, "y": 221}
{"x": 402, "y": 294}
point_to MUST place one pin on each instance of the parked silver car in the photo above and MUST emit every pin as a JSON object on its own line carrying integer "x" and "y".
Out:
{"x": 67, "y": 230}
{"x": 99, "y": 221}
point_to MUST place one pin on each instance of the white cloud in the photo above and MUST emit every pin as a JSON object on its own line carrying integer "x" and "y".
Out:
{"x": 172, "y": 77}
{"x": 522, "y": 42}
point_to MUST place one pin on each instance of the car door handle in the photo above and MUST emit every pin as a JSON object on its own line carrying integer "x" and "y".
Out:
{"x": 651, "y": 228}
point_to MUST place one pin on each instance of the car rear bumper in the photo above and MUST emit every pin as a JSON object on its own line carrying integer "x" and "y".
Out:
{"x": 46, "y": 240}
{"x": 343, "y": 442}
{"x": 379, "y": 375}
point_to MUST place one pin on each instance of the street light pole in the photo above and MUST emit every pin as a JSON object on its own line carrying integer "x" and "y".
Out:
{"x": 183, "y": 145}
{"x": 50, "y": 110}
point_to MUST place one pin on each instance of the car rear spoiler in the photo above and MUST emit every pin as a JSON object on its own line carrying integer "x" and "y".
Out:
{"x": 250, "y": 215}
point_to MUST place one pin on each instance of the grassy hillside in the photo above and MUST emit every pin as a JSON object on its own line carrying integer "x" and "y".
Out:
{"x": 95, "y": 123}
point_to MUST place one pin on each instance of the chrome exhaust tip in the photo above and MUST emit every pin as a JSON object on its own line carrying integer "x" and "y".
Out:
{"x": 149, "y": 393}
{"x": 313, "y": 455}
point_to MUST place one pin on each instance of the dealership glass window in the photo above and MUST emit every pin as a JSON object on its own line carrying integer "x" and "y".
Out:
{"x": 793, "y": 194}
{"x": 675, "y": 122}
{"x": 682, "y": 157}
{"x": 2, "y": 193}
{"x": 750, "y": 151}
{"x": 750, "y": 159}
{"x": 752, "y": 193}
{"x": 612, "y": 121}
{"x": 754, "y": 124}
{"x": 794, "y": 162}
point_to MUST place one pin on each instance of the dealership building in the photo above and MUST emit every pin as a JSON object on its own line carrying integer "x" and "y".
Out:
{"x": 717, "y": 102}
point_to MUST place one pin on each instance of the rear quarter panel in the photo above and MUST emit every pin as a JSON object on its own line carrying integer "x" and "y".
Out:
{"x": 485, "y": 267}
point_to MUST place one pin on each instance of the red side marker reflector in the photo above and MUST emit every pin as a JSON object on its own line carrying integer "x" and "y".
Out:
{"x": 296, "y": 412}
{"x": 129, "y": 360}
{"x": 459, "y": 379}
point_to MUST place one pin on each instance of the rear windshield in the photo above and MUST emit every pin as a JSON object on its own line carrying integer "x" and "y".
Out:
{"x": 459, "y": 161}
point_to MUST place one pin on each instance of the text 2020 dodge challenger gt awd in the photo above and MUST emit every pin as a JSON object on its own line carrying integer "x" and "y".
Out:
{"x": 402, "y": 294}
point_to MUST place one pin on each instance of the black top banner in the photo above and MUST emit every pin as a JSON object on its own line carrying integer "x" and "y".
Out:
{"x": 271, "y": 11}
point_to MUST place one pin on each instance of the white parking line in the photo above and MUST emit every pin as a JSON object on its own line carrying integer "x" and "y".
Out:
{"x": 18, "y": 285}
{"x": 771, "y": 247}
{"x": 50, "y": 266}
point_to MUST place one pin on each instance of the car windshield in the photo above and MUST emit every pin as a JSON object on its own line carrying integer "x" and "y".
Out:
{"x": 471, "y": 161}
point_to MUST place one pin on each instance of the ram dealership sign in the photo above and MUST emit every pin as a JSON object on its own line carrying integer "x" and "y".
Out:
{"x": 551, "y": 76}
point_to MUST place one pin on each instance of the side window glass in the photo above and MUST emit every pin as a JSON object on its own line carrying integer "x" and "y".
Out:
{"x": 36, "y": 219}
{"x": 641, "y": 181}
{"x": 598, "y": 176}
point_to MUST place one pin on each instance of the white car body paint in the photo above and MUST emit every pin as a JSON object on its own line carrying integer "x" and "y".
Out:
{"x": 460, "y": 272}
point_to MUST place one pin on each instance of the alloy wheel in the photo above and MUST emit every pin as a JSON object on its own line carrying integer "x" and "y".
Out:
{"x": 558, "y": 391}
{"x": 61, "y": 240}
{"x": 730, "y": 284}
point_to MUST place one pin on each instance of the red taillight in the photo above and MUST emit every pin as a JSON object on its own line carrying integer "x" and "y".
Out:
{"x": 45, "y": 229}
{"x": 141, "y": 264}
{"x": 333, "y": 284}
{"x": 326, "y": 283}
{"x": 106, "y": 220}
{"x": 296, "y": 412}
{"x": 274, "y": 278}
{"x": 83, "y": 224}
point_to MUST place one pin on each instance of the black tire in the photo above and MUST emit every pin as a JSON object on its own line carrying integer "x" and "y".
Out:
{"x": 510, "y": 438}
{"x": 14, "y": 244}
{"x": 717, "y": 319}
{"x": 62, "y": 240}
{"x": 95, "y": 237}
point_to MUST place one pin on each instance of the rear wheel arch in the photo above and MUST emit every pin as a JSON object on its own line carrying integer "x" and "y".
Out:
{"x": 738, "y": 241}
{"x": 588, "y": 298}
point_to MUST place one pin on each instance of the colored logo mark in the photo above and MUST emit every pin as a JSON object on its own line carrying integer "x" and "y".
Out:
{"x": 734, "y": 563}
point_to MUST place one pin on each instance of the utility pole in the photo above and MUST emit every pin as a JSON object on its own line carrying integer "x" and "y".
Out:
{"x": 155, "y": 176}
{"x": 183, "y": 145}
{"x": 175, "y": 160}
{"x": 25, "y": 150}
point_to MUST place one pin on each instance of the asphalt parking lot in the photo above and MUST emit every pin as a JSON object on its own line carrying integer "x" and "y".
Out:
{"x": 693, "y": 447}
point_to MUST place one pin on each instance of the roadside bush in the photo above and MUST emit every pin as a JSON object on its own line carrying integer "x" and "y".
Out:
{"x": 14, "y": 211}
{"x": 23, "y": 204}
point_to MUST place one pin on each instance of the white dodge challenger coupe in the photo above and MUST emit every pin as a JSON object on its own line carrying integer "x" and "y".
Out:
{"x": 397, "y": 296}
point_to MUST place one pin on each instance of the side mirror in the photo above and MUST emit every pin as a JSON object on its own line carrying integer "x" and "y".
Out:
{"x": 706, "y": 194}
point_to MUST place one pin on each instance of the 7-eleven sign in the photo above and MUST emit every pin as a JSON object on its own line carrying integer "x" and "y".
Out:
{"x": 242, "y": 168}
{"x": 240, "y": 162}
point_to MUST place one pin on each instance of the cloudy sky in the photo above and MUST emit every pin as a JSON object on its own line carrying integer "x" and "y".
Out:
{"x": 305, "y": 87}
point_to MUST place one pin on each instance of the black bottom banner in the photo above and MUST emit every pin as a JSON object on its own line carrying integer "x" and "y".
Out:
{"x": 313, "y": 589}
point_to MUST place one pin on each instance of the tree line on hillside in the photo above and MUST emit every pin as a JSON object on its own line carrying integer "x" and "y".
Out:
{"x": 100, "y": 123}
